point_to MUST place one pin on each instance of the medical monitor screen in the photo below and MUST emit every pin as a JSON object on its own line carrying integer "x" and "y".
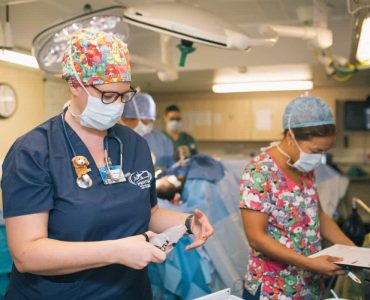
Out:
{"x": 357, "y": 115}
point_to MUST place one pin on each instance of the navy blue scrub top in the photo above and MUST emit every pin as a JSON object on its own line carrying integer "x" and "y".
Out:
{"x": 38, "y": 176}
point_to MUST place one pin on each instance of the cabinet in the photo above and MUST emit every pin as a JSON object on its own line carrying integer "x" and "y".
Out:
{"x": 196, "y": 116}
{"x": 231, "y": 117}
{"x": 231, "y": 120}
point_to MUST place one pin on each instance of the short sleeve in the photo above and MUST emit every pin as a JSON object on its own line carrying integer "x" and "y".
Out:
{"x": 153, "y": 194}
{"x": 153, "y": 191}
{"x": 255, "y": 189}
{"x": 26, "y": 184}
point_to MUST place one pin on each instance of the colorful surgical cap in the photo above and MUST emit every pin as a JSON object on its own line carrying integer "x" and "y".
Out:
{"x": 145, "y": 105}
{"x": 307, "y": 111}
{"x": 98, "y": 57}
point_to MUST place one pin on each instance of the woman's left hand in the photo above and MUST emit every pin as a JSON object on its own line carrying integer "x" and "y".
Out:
{"x": 201, "y": 229}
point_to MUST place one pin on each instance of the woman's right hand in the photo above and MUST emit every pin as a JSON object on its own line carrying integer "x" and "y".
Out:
{"x": 136, "y": 253}
{"x": 325, "y": 265}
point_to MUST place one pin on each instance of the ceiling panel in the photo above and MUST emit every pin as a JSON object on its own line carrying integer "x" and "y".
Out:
{"x": 30, "y": 17}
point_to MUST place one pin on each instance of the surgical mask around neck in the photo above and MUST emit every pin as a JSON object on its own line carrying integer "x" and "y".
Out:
{"x": 96, "y": 114}
{"x": 174, "y": 125}
{"x": 143, "y": 129}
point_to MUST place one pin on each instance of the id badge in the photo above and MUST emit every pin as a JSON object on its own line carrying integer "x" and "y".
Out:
{"x": 115, "y": 175}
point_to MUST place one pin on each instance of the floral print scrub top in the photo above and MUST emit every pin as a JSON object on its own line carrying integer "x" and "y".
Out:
{"x": 293, "y": 221}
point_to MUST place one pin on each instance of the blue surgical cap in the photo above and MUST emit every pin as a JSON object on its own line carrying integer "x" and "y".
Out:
{"x": 145, "y": 105}
{"x": 307, "y": 111}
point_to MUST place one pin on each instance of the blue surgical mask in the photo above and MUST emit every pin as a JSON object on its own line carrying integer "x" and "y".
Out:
{"x": 143, "y": 129}
{"x": 307, "y": 161}
{"x": 100, "y": 116}
{"x": 174, "y": 125}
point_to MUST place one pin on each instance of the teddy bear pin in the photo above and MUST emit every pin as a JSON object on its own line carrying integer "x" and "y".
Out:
{"x": 81, "y": 165}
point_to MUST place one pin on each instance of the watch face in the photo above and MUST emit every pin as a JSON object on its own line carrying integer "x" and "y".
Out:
{"x": 8, "y": 100}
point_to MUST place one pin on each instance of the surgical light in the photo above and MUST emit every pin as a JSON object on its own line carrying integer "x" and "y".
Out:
{"x": 194, "y": 24}
{"x": 49, "y": 45}
{"x": 263, "y": 86}
{"x": 18, "y": 58}
{"x": 363, "y": 48}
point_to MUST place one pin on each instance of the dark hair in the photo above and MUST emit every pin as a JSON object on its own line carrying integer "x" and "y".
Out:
{"x": 170, "y": 191}
{"x": 172, "y": 107}
{"x": 167, "y": 194}
{"x": 307, "y": 133}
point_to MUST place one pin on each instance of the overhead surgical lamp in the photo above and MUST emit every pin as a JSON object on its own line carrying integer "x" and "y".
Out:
{"x": 340, "y": 68}
{"x": 363, "y": 48}
{"x": 363, "y": 44}
{"x": 186, "y": 22}
{"x": 49, "y": 45}
{"x": 194, "y": 25}
{"x": 360, "y": 52}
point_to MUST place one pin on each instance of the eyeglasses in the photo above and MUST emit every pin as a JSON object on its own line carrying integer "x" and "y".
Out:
{"x": 108, "y": 97}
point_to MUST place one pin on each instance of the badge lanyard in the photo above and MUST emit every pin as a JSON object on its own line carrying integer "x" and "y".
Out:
{"x": 110, "y": 174}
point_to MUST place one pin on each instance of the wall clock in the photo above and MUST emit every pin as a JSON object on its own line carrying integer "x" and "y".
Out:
{"x": 8, "y": 100}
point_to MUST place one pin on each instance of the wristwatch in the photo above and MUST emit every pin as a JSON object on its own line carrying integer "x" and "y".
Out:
{"x": 188, "y": 222}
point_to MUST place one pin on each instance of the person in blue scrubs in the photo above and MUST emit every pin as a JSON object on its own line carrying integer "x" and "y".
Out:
{"x": 79, "y": 190}
{"x": 140, "y": 114}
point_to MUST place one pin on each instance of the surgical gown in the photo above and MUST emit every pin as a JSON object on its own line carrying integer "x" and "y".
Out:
{"x": 162, "y": 147}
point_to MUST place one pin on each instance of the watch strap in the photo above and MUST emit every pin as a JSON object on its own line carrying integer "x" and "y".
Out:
{"x": 188, "y": 222}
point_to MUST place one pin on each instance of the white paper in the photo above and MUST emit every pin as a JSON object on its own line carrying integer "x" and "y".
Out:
{"x": 263, "y": 119}
{"x": 352, "y": 256}
{"x": 203, "y": 118}
{"x": 217, "y": 119}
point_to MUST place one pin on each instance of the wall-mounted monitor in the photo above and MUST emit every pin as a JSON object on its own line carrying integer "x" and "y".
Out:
{"x": 357, "y": 115}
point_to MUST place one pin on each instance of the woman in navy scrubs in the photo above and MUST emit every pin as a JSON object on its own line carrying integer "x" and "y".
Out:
{"x": 75, "y": 230}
